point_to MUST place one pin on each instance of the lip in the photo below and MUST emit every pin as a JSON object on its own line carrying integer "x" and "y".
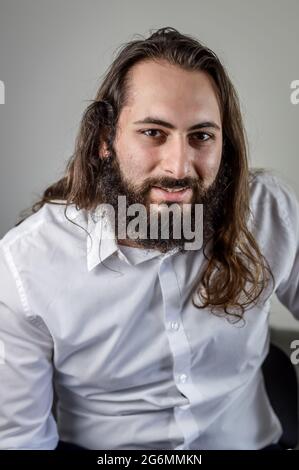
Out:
{"x": 162, "y": 195}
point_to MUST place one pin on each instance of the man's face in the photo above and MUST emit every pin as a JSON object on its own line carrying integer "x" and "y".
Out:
{"x": 169, "y": 154}
{"x": 182, "y": 99}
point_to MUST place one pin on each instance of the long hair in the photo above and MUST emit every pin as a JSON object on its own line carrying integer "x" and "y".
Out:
{"x": 236, "y": 272}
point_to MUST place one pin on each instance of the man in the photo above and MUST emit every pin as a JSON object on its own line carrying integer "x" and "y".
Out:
{"x": 150, "y": 345}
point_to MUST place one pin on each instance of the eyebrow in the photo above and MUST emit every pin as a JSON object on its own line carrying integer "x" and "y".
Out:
{"x": 160, "y": 122}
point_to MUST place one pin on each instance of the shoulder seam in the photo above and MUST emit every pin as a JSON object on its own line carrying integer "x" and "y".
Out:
{"x": 16, "y": 237}
{"x": 17, "y": 279}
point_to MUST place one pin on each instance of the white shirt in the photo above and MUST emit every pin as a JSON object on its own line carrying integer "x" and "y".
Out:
{"x": 136, "y": 365}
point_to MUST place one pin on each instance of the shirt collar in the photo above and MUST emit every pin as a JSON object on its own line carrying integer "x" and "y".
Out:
{"x": 101, "y": 242}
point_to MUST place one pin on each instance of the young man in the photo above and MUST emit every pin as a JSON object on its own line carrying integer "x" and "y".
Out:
{"x": 150, "y": 343}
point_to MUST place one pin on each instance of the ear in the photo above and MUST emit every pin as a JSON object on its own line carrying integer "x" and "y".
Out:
{"x": 103, "y": 150}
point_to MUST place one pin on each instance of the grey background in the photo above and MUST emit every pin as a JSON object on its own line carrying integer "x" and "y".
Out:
{"x": 54, "y": 52}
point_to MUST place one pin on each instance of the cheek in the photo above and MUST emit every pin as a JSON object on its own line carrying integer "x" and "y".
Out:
{"x": 208, "y": 162}
{"x": 135, "y": 159}
{"x": 137, "y": 163}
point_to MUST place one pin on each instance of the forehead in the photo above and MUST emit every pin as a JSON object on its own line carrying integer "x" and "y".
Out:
{"x": 157, "y": 87}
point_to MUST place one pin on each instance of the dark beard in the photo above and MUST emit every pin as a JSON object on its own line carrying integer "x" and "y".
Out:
{"x": 112, "y": 184}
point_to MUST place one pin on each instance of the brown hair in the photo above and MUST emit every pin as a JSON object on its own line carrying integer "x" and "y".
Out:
{"x": 237, "y": 272}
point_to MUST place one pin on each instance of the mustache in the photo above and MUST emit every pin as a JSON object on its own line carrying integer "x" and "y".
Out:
{"x": 169, "y": 183}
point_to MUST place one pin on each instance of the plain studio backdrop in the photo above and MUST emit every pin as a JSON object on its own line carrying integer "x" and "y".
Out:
{"x": 53, "y": 54}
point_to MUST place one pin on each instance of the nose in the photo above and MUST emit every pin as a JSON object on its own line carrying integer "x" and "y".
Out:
{"x": 177, "y": 158}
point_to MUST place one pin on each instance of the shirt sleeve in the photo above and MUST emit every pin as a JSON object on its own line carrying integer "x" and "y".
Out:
{"x": 287, "y": 290}
{"x": 26, "y": 349}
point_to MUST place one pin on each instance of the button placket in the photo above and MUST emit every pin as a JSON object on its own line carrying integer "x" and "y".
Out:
{"x": 174, "y": 325}
{"x": 180, "y": 349}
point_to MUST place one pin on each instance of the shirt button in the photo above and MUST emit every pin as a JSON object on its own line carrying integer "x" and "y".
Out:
{"x": 175, "y": 325}
{"x": 183, "y": 378}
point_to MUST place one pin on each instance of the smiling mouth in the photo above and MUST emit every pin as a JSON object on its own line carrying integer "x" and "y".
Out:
{"x": 172, "y": 190}
{"x": 171, "y": 194}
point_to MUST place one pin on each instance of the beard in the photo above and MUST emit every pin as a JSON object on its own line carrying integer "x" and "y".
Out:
{"x": 112, "y": 183}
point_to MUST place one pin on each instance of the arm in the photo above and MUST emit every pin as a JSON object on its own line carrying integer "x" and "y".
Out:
{"x": 26, "y": 390}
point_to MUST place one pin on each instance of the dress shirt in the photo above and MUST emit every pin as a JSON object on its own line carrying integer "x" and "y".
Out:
{"x": 134, "y": 363}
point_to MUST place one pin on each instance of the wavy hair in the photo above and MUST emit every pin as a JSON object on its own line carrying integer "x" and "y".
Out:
{"x": 236, "y": 272}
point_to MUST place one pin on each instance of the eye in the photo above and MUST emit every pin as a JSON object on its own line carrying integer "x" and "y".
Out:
{"x": 202, "y": 136}
{"x": 144, "y": 132}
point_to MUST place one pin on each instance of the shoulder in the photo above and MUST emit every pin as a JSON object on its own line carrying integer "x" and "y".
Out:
{"x": 275, "y": 221}
{"x": 51, "y": 219}
{"x": 37, "y": 252}
{"x": 273, "y": 200}
{"x": 54, "y": 234}
{"x": 270, "y": 183}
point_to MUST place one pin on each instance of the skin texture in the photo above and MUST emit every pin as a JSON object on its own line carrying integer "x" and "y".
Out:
{"x": 150, "y": 154}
